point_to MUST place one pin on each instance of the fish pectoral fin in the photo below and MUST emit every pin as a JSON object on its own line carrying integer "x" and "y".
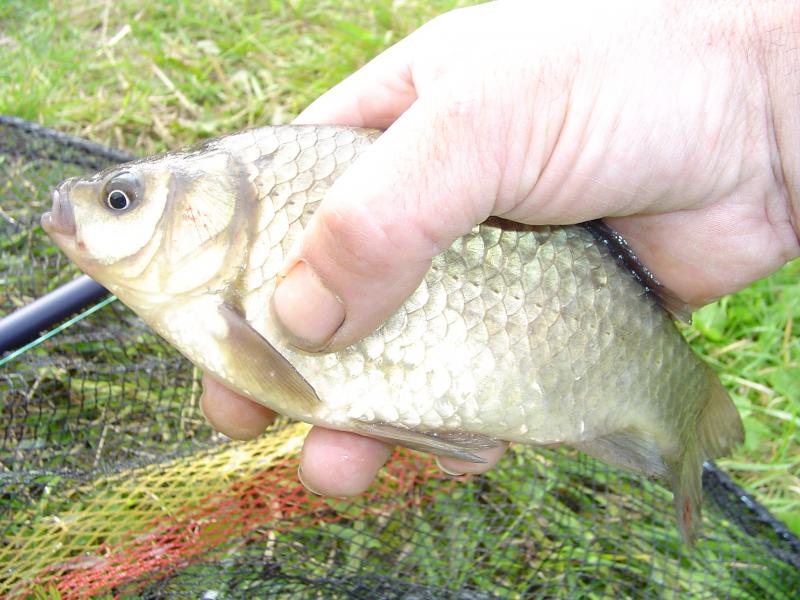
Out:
{"x": 454, "y": 444}
{"x": 259, "y": 370}
{"x": 630, "y": 449}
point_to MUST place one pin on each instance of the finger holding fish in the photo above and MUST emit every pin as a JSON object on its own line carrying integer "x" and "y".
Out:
{"x": 232, "y": 414}
{"x": 340, "y": 463}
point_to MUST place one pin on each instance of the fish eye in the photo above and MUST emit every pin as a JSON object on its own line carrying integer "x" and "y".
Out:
{"x": 118, "y": 200}
{"x": 123, "y": 191}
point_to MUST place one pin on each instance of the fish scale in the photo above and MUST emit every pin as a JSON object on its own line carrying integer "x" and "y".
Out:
{"x": 529, "y": 334}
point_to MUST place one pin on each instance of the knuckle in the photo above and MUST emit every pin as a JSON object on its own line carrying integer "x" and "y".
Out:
{"x": 357, "y": 240}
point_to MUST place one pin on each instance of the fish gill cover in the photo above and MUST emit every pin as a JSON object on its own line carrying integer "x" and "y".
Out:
{"x": 112, "y": 483}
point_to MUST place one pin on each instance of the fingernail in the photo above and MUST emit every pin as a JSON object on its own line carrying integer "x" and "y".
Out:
{"x": 309, "y": 312}
{"x": 304, "y": 484}
{"x": 446, "y": 470}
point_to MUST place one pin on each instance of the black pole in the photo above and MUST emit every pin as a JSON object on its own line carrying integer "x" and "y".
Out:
{"x": 26, "y": 323}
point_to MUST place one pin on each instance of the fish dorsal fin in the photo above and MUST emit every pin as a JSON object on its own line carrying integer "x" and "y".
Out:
{"x": 626, "y": 257}
{"x": 454, "y": 444}
{"x": 259, "y": 370}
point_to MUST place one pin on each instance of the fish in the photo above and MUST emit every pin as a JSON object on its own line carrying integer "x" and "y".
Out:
{"x": 539, "y": 335}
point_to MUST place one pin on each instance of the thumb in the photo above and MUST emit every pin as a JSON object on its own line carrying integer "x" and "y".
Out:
{"x": 422, "y": 184}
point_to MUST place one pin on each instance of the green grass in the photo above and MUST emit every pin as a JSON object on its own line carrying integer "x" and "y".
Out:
{"x": 148, "y": 75}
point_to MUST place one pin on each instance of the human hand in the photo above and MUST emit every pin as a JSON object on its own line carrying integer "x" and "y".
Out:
{"x": 671, "y": 119}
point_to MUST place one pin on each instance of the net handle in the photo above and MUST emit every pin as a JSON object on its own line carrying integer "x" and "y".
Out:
{"x": 25, "y": 324}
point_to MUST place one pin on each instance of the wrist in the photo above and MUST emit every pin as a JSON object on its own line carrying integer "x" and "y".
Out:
{"x": 778, "y": 27}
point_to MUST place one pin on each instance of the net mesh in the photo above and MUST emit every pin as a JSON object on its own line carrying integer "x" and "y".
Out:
{"x": 111, "y": 482}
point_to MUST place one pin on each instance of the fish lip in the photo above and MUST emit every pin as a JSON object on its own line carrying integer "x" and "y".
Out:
{"x": 60, "y": 219}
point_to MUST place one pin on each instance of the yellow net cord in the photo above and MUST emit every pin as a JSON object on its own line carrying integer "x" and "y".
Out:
{"x": 156, "y": 519}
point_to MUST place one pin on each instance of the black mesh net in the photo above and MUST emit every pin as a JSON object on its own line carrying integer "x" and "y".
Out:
{"x": 111, "y": 483}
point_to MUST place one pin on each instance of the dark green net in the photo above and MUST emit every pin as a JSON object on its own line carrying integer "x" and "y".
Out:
{"x": 112, "y": 484}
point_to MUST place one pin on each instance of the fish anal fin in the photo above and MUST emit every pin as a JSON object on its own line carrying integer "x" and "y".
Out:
{"x": 638, "y": 452}
{"x": 461, "y": 445}
{"x": 260, "y": 372}
{"x": 629, "y": 449}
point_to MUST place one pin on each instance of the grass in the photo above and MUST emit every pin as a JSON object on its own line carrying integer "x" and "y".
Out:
{"x": 751, "y": 339}
{"x": 150, "y": 75}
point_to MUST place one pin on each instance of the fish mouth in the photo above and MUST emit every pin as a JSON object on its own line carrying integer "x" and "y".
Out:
{"x": 60, "y": 219}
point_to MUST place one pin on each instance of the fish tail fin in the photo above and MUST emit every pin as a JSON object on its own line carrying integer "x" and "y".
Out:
{"x": 718, "y": 430}
{"x": 719, "y": 427}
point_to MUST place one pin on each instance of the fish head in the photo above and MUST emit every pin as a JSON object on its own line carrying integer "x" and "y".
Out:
{"x": 154, "y": 228}
{"x": 101, "y": 220}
